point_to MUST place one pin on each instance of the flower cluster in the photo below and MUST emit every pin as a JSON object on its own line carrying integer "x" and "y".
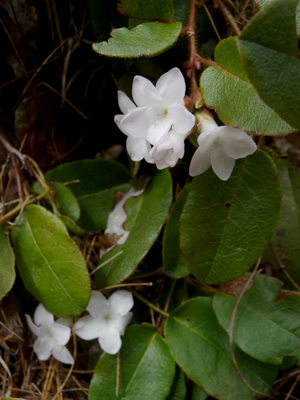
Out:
{"x": 156, "y": 125}
{"x": 107, "y": 321}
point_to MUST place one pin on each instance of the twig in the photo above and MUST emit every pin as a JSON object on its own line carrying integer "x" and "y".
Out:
{"x": 229, "y": 17}
{"x": 106, "y": 262}
{"x": 157, "y": 309}
{"x": 212, "y": 22}
{"x": 118, "y": 374}
{"x": 292, "y": 388}
{"x": 126, "y": 284}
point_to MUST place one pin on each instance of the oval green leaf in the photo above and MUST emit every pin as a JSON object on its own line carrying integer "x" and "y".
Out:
{"x": 225, "y": 225}
{"x": 148, "y": 39}
{"x": 146, "y": 215}
{"x": 94, "y": 183}
{"x": 50, "y": 264}
{"x": 146, "y": 368}
{"x": 201, "y": 348}
{"x": 269, "y": 50}
{"x": 7, "y": 264}
{"x": 63, "y": 197}
{"x": 173, "y": 263}
{"x": 266, "y": 329}
{"x": 178, "y": 388}
{"x": 227, "y": 89}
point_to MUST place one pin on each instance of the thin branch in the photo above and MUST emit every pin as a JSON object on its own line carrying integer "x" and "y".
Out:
{"x": 229, "y": 17}
{"x": 157, "y": 309}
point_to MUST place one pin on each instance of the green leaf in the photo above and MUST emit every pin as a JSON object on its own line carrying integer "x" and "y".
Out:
{"x": 264, "y": 328}
{"x": 178, "y": 389}
{"x": 285, "y": 241}
{"x": 262, "y": 3}
{"x": 201, "y": 348}
{"x": 269, "y": 50}
{"x": 227, "y": 89}
{"x": 94, "y": 184}
{"x": 147, "y": 9}
{"x": 148, "y": 39}
{"x": 173, "y": 263}
{"x": 50, "y": 264}
{"x": 7, "y": 264}
{"x": 65, "y": 200}
{"x": 225, "y": 225}
{"x": 146, "y": 368}
{"x": 146, "y": 216}
{"x": 198, "y": 393}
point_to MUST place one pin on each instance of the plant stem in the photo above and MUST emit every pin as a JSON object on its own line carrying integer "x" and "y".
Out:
{"x": 157, "y": 309}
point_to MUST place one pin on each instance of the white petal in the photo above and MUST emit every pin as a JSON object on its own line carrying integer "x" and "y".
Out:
{"x": 161, "y": 164}
{"x": 206, "y": 124}
{"x": 60, "y": 333}
{"x": 42, "y": 316}
{"x": 62, "y": 354}
{"x": 110, "y": 341}
{"x": 97, "y": 304}
{"x": 200, "y": 162}
{"x": 43, "y": 347}
{"x": 144, "y": 93}
{"x": 222, "y": 164}
{"x": 138, "y": 122}
{"x": 182, "y": 120}
{"x": 34, "y": 329}
{"x": 118, "y": 118}
{"x": 121, "y": 302}
{"x": 237, "y": 143}
{"x": 124, "y": 322}
{"x": 138, "y": 148}
{"x": 208, "y": 140}
{"x": 89, "y": 328}
{"x": 125, "y": 103}
{"x": 171, "y": 86}
{"x": 159, "y": 130}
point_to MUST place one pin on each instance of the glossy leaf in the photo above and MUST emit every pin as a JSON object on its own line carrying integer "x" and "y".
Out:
{"x": 94, "y": 184}
{"x": 146, "y": 366}
{"x": 146, "y": 216}
{"x": 148, "y": 39}
{"x": 269, "y": 50}
{"x": 178, "y": 388}
{"x": 65, "y": 200}
{"x": 148, "y": 9}
{"x": 50, "y": 264}
{"x": 201, "y": 348}
{"x": 285, "y": 241}
{"x": 227, "y": 89}
{"x": 225, "y": 225}
{"x": 266, "y": 329}
{"x": 7, "y": 264}
{"x": 173, "y": 263}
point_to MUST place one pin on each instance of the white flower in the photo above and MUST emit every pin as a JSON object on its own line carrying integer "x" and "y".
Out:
{"x": 107, "y": 320}
{"x": 137, "y": 148}
{"x": 168, "y": 150}
{"x": 219, "y": 147}
{"x": 51, "y": 336}
{"x": 159, "y": 108}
